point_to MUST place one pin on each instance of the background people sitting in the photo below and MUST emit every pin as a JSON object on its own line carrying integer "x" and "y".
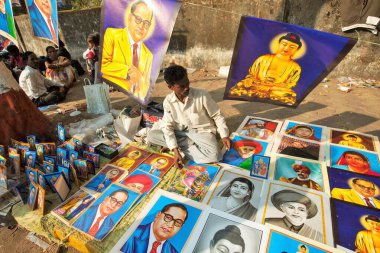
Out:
{"x": 58, "y": 68}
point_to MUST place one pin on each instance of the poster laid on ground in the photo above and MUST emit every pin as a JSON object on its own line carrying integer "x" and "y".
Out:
{"x": 280, "y": 63}
{"x": 7, "y": 23}
{"x": 135, "y": 39}
{"x": 43, "y": 17}
{"x": 166, "y": 223}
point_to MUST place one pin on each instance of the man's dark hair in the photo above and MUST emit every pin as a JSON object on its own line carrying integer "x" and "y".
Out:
{"x": 26, "y": 55}
{"x": 363, "y": 179}
{"x": 372, "y": 218}
{"x": 174, "y": 73}
{"x": 232, "y": 234}
{"x": 166, "y": 208}
{"x": 352, "y": 136}
{"x": 293, "y": 37}
{"x": 94, "y": 38}
{"x": 13, "y": 50}
{"x": 49, "y": 47}
{"x": 117, "y": 191}
{"x": 303, "y": 246}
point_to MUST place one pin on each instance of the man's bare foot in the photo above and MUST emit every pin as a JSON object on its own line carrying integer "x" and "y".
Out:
{"x": 164, "y": 149}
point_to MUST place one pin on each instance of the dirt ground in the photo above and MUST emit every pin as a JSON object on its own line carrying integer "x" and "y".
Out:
{"x": 325, "y": 105}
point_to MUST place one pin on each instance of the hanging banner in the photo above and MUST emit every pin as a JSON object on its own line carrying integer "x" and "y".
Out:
{"x": 280, "y": 63}
{"x": 7, "y": 24}
{"x": 135, "y": 39}
{"x": 43, "y": 16}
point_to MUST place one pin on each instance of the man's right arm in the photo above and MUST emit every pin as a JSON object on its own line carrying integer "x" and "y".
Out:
{"x": 109, "y": 66}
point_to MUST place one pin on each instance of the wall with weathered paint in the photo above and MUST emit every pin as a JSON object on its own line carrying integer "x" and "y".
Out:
{"x": 205, "y": 31}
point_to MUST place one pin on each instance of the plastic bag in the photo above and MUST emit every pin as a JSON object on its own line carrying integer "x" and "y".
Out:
{"x": 127, "y": 124}
{"x": 97, "y": 97}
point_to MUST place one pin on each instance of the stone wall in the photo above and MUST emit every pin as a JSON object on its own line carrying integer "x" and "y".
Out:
{"x": 205, "y": 31}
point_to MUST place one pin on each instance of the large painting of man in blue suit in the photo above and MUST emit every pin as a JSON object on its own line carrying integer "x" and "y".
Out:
{"x": 155, "y": 235}
{"x": 100, "y": 218}
{"x": 43, "y": 17}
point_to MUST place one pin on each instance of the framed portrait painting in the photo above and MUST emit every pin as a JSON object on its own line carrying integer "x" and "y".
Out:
{"x": 259, "y": 128}
{"x": 236, "y": 193}
{"x": 300, "y": 211}
{"x": 69, "y": 210}
{"x": 260, "y": 166}
{"x": 3, "y": 176}
{"x": 193, "y": 180}
{"x": 299, "y": 171}
{"x": 305, "y": 131}
{"x": 113, "y": 204}
{"x": 218, "y": 230}
{"x": 32, "y": 198}
{"x": 293, "y": 146}
{"x": 157, "y": 164}
{"x": 163, "y": 208}
{"x": 356, "y": 160}
{"x": 355, "y": 230}
{"x": 101, "y": 181}
{"x": 130, "y": 158}
{"x": 241, "y": 151}
{"x": 355, "y": 140}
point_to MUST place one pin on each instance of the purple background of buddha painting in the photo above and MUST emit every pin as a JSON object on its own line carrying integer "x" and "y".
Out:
{"x": 322, "y": 49}
{"x": 158, "y": 42}
{"x": 347, "y": 224}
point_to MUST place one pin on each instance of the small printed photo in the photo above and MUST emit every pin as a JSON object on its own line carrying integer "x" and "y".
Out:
{"x": 61, "y": 133}
{"x": 101, "y": 181}
{"x": 2, "y": 150}
{"x": 66, "y": 172}
{"x": 65, "y": 163}
{"x": 81, "y": 168}
{"x": 12, "y": 151}
{"x": 90, "y": 167}
{"x": 51, "y": 178}
{"x": 78, "y": 146}
{"x": 72, "y": 156}
{"x": 15, "y": 165}
{"x": 22, "y": 150}
{"x": 114, "y": 204}
{"x": 169, "y": 217}
{"x": 73, "y": 206}
{"x": 236, "y": 193}
{"x": 33, "y": 192}
{"x": 281, "y": 241}
{"x": 222, "y": 231}
{"x": 31, "y": 141}
{"x": 193, "y": 180}
{"x": 49, "y": 159}
{"x": 306, "y": 173}
{"x": 130, "y": 158}
{"x": 297, "y": 210}
{"x": 157, "y": 164}
{"x": 41, "y": 179}
{"x": 50, "y": 149}
{"x": 355, "y": 227}
{"x": 61, "y": 154}
{"x": 355, "y": 160}
{"x": 88, "y": 148}
{"x": 3, "y": 176}
{"x": 40, "y": 152}
{"x": 3, "y": 161}
{"x": 353, "y": 139}
{"x": 48, "y": 167}
{"x": 92, "y": 156}
{"x": 61, "y": 187}
{"x": 241, "y": 151}
{"x": 304, "y": 130}
{"x": 31, "y": 175}
{"x": 141, "y": 182}
{"x": 259, "y": 128}
{"x": 260, "y": 166}
{"x": 41, "y": 200}
{"x": 355, "y": 187}
{"x": 292, "y": 146}
{"x": 69, "y": 146}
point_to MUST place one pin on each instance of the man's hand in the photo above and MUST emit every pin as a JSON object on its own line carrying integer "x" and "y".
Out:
{"x": 227, "y": 142}
{"x": 178, "y": 161}
{"x": 134, "y": 74}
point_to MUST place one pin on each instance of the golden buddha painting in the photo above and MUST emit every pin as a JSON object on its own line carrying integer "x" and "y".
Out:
{"x": 281, "y": 63}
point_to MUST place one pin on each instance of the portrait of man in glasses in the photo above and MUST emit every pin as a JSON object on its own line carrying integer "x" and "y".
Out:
{"x": 154, "y": 236}
{"x": 126, "y": 60}
{"x": 362, "y": 192}
{"x": 98, "y": 220}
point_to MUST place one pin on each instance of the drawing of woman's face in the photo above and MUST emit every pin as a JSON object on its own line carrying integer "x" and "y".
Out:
{"x": 295, "y": 212}
{"x": 239, "y": 190}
